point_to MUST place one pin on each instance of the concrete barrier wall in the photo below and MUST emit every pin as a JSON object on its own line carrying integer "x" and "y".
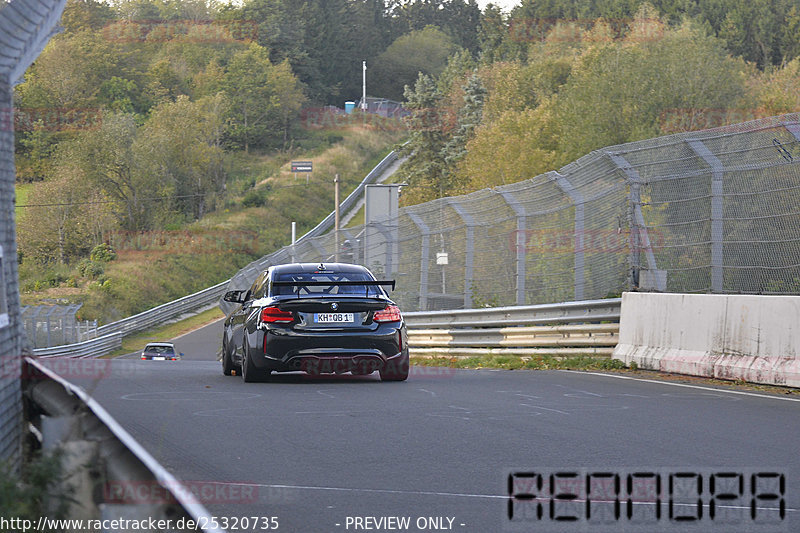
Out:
{"x": 751, "y": 338}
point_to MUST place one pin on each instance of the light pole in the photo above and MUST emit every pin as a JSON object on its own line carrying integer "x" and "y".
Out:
{"x": 336, "y": 216}
{"x": 364, "y": 86}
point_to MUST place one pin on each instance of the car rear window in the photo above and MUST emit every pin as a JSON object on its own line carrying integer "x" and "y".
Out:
{"x": 333, "y": 278}
{"x": 160, "y": 350}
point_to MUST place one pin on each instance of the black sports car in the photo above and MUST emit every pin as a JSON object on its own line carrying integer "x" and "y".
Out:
{"x": 327, "y": 318}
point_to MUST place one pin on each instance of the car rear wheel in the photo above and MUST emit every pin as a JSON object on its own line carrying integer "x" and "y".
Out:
{"x": 227, "y": 361}
{"x": 395, "y": 370}
{"x": 250, "y": 373}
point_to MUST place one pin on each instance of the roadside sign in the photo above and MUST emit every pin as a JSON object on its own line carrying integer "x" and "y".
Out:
{"x": 302, "y": 166}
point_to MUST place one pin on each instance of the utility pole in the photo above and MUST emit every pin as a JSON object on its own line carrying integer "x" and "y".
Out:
{"x": 336, "y": 214}
{"x": 364, "y": 87}
{"x": 294, "y": 240}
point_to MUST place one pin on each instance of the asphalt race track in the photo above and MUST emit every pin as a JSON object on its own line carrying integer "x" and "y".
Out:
{"x": 346, "y": 453}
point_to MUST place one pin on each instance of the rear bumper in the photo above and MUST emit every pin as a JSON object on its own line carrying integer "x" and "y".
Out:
{"x": 330, "y": 352}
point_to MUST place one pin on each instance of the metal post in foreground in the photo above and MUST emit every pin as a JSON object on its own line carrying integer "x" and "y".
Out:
{"x": 294, "y": 239}
{"x": 336, "y": 216}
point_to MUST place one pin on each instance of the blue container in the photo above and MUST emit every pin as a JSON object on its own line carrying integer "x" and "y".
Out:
{"x": 349, "y": 106}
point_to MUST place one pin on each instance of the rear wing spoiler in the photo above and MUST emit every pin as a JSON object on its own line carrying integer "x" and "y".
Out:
{"x": 365, "y": 284}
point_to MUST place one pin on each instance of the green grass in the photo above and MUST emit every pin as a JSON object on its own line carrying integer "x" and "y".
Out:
{"x": 22, "y": 191}
{"x": 137, "y": 341}
{"x": 511, "y": 362}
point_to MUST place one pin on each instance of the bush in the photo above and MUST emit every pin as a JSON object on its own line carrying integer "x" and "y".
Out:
{"x": 90, "y": 269}
{"x": 53, "y": 278}
{"x": 38, "y": 491}
{"x": 103, "y": 252}
{"x": 254, "y": 198}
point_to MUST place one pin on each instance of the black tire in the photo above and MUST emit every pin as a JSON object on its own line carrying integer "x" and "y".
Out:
{"x": 396, "y": 370}
{"x": 227, "y": 361}
{"x": 250, "y": 374}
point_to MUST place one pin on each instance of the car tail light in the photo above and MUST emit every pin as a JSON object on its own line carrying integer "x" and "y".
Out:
{"x": 390, "y": 313}
{"x": 270, "y": 315}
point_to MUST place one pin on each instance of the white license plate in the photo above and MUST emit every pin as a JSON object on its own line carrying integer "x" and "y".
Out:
{"x": 333, "y": 318}
{"x": 159, "y": 358}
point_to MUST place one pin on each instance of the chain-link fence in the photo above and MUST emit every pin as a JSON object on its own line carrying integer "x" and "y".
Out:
{"x": 708, "y": 211}
{"x": 25, "y": 27}
{"x": 54, "y": 325}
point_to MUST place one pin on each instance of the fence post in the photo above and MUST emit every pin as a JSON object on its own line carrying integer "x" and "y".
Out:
{"x": 387, "y": 235}
{"x": 522, "y": 222}
{"x": 717, "y": 172}
{"x": 470, "y": 251}
{"x": 423, "y": 262}
{"x": 577, "y": 200}
{"x": 639, "y": 239}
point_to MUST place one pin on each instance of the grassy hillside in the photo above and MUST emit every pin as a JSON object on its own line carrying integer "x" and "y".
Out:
{"x": 263, "y": 198}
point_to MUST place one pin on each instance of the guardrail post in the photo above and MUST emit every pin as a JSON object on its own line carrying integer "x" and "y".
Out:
{"x": 522, "y": 222}
{"x": 423, "y": 262}
{"x": 717, "y": 172}
{"x": 470, "y": 251}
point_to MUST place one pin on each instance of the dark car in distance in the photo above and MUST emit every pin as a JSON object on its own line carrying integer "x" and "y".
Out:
{"x": 160, "y": 351}
{"x": 329, "y": 318}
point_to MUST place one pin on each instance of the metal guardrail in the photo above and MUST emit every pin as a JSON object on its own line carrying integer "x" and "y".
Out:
{"x": 522, "y": 315}
{"x": 167, "y": 311}
{"x": 569, "y": 328}
{"x": 81, "y": 350}
{"x": 96, "y": 448}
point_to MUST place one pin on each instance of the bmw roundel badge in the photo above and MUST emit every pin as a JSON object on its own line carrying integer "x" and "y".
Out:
{"x": 334, "y": 306}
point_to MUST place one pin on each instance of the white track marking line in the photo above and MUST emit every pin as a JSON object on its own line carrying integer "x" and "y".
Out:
{"x": 753, "y": 394}
{"x": 453, "y": 494}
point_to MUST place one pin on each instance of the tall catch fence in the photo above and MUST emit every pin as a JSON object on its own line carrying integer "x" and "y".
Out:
{"x": 705, "y": 211}
{"x": 25, "y": 27}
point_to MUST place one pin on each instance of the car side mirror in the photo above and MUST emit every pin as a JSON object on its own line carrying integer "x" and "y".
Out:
{"x": 235, "y": 297}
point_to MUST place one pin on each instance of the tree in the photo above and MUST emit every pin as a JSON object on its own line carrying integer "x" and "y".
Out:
{"x": 69, "y": 72}
{"x": 457, "y": 18}
{"x": 422, "y": 51}
{"x": 469, "y": 118}
{"x": 495, "y": 38}
{"x": 66, "y": 219}
{"x": 425, "y": 169}
{"x": 247, "y": 85}
{"x": 287, "y": 96}
{"x": 518, "y": 145}
{"x": 683, "y": 73}
{"x": 180, "y": 146}
{"x": 779, "y": 92}
{"x": 82, "y": 15}
{"x": 106, "y": 159}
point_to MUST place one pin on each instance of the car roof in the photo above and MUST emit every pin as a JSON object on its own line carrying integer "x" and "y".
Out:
{"x": 313, "y": 267}
{"x": 160, "y": 344}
